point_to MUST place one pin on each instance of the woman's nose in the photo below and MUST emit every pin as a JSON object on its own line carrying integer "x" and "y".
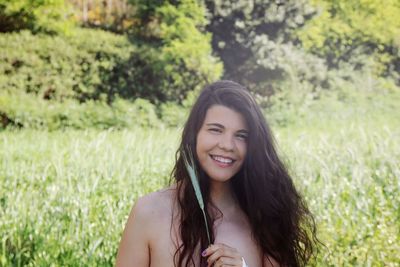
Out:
{"x": 226, "y": 143}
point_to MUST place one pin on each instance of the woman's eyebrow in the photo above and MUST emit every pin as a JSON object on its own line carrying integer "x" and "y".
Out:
{"x": 223, "y": 127}
{"x": 215, "y": 124}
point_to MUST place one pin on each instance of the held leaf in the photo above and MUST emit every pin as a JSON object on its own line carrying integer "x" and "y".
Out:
{"x": 190, "y": 167}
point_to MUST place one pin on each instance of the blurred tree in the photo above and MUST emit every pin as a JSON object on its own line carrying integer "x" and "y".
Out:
{"x": 346, "y": 31}
{"x": 174, "y": 54}
{"x": 255, "y": 41}
{"x": 50, "y": 16}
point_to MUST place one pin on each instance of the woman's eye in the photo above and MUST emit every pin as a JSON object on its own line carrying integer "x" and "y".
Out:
{"x": 215, "y": 130}
{"x": 242, "y": 136}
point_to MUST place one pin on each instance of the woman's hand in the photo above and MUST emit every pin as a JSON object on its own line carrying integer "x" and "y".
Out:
{"x": 219, "y": 255}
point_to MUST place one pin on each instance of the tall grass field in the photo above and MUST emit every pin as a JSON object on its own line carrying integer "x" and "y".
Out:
{"x": 65, "y": 195}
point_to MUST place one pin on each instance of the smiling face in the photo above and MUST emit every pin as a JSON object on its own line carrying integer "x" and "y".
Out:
{"x": 222, "y": 143}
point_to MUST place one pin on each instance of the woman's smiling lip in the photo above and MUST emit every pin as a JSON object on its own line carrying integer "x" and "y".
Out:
{"x": 220, "y": 163}
{"x": 225, "y": 157}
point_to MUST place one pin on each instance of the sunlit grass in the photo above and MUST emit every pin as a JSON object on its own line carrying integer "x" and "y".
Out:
{"x": 351, "y": 182}
{"x": 65, "y": 196}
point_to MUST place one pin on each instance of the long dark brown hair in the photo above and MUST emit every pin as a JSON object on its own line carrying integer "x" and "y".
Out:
{"x": 280, "y": 220}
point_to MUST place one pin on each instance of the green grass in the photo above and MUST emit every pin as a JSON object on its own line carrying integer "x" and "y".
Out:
{"x": 351, "y": 182}
{"x": 65, "y": 195}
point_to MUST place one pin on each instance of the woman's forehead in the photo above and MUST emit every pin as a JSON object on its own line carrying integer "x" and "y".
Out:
{"x": 225, "y": 116}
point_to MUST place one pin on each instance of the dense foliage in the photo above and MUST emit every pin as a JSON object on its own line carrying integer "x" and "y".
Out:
{"x": 50, "y": 16}
{"x": 24, "y": 111}
{"x": 365, "y": 33}
{"x": 287, "y": 52}
{"x": 174, "y": 55}
{"x": 57, "y": 82}
{"x": 285, "y": 48}
{"x": 255, "y": 41}
{"x": 59, "y": 67}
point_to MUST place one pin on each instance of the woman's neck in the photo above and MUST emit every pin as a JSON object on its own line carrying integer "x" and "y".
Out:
{"x": 222, "y": 197}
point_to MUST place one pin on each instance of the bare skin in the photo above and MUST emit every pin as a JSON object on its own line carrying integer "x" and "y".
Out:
{"x": 148, "y": 240}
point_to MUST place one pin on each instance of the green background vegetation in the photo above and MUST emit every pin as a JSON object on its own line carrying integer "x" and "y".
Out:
{"x": 93, "y": 97}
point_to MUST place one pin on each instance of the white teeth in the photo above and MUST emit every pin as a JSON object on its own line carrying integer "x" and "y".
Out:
{"x": 222, "y": 160}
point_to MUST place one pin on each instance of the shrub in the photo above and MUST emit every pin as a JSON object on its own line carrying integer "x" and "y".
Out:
{"x": 140, "y": 113}
{"x": 173, "y": 115}
{"x": 49, "y": 16}
{"x": 255, "y": 41}
{"x": 174, "y": 54}
{"x": 59, "y": 67}
{"x": 21, "y": 110}
{"x": 346, "y": 31}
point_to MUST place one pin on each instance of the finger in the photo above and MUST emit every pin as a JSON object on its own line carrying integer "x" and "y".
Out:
{"x": 212, "y": 248}
{"x": 225, "y": 261}
{"x": 213, "y": 258}
{"x": 222, "y": 252}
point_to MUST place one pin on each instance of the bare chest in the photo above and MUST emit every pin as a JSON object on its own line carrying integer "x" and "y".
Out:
{"x": 237, "y": 234}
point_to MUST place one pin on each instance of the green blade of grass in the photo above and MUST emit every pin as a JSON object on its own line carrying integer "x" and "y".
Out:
{"x": 189, "y": 164}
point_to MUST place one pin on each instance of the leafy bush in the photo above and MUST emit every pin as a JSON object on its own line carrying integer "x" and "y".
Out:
{"x": 282, "y": 67}
{"x": 173, "y": 115}
{"x": 49, "y": 16}
{"x": 255, "y": 41}
{"x": 139, "y": 113}
{"x": 76, "y": 81}
{"x": 346, "y": 31}
{"x": 21, "y": 110}
{"x": 59, "y": 67}
{"x": 173, "y": 53}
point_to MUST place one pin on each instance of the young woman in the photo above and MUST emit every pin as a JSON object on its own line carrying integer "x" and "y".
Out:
{"x": 257, "y": 217}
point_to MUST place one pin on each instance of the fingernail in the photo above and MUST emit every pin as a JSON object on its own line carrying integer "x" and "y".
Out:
{"x": 204, "y": 253}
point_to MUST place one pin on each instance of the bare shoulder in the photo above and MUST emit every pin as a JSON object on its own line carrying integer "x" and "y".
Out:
{"x": 156, "y": 204}
{"x": 146, "y": 214}
{"x": 151, "y": 208}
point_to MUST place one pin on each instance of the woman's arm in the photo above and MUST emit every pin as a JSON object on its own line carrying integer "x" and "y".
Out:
{"x": 134, "y": 246}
